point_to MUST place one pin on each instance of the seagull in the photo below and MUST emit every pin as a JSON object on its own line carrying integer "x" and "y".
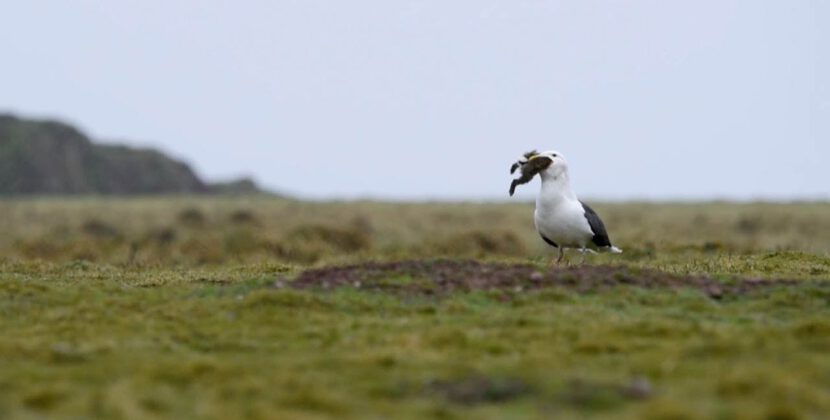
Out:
{"x": 562, "y": 220}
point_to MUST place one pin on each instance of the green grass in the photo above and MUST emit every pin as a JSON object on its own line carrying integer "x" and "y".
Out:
{"x": 89, "y": 331}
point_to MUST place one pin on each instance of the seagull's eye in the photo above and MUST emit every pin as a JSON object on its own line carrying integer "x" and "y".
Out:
{"x": 555, "y": 155}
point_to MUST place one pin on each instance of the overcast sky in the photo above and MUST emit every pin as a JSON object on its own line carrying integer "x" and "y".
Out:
{"x": 434, "y": 99}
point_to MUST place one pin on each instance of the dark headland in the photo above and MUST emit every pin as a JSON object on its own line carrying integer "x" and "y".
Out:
{"x": 46, "y": 157}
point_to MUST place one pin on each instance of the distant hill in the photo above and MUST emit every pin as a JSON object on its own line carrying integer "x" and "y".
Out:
{"x": 50, "y": 157}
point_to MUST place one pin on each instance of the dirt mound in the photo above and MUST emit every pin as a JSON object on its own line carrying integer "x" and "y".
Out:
{"x": 445, "y": 276}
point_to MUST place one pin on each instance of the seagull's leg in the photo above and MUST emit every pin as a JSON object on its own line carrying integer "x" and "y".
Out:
{"x": 583, "y": 251}
{"x": 561, "y": 255}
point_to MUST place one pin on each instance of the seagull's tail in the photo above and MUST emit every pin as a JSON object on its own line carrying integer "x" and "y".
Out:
{"x": 614, "y": 250}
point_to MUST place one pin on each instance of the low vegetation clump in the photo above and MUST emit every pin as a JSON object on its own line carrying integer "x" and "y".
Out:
{"x": 182, "y": 308}
{"x": 480, "y": 243}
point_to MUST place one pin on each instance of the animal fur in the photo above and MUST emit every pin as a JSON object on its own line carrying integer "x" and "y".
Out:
{"x": 529, "y": 169}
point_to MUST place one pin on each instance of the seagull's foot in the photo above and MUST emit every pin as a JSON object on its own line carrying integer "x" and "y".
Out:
{"x": 585, "y": 252}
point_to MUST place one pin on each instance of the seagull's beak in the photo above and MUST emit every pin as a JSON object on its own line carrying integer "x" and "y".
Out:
{"x": 534, "y": 157}
{"x": 539, "y": 162}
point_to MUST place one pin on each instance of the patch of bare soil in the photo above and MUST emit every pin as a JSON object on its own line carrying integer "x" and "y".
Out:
{"x": 446, "y": 276}
{"x": 478, "y": 389}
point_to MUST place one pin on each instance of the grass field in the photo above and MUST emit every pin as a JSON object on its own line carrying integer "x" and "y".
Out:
{"x": 269, "y": 308}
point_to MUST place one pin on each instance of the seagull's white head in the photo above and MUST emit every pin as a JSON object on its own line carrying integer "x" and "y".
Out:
{"x": 554, "y": 164}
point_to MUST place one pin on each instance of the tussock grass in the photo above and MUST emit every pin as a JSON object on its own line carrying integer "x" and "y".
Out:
{"x": 194, "y": 231}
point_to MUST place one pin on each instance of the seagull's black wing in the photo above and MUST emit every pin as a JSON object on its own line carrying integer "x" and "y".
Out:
{"x": 551, "y": 243}
{"x": 597, "y": 227}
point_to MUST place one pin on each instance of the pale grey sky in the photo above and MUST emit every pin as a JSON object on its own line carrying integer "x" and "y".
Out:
{"x": 434, "y": 99}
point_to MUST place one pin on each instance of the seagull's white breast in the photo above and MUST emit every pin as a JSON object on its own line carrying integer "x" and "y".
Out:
{"x": 563, "y": 221}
